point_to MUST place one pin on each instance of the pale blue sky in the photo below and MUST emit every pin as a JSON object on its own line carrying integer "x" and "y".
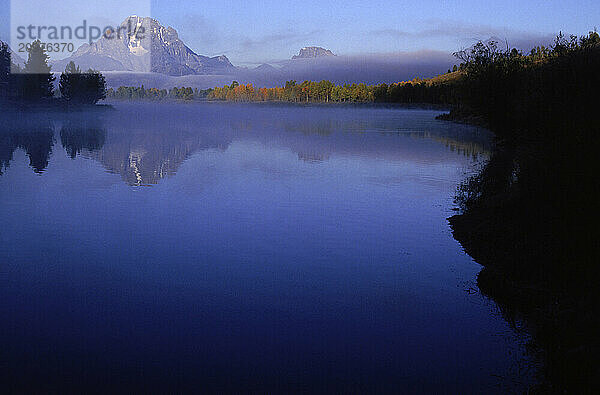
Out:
{"x": 255, "y": 32}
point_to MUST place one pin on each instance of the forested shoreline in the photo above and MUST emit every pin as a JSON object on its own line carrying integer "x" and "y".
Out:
{"x": 526, "y": 215}
{"x": 33, "y": 84}
{"x": 416, "y": 91}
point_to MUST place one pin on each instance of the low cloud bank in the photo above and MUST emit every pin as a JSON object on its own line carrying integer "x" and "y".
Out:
{"x": 370, "y": 69}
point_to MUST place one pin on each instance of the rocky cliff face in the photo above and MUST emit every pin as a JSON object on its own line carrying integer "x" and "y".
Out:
{"x": 156, "y": 49}
{"x": 312, "y": 52}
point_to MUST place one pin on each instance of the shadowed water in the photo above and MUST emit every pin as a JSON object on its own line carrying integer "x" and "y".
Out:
{"x": 218, "y": 247}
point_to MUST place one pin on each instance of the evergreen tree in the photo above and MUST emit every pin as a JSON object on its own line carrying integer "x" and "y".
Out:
{"x": 38, "y": 81}
{"x": 4, "y": 70}
{"x": 97, "y": 86}
{"x": 70, "y": 82}
{"x": 82, "y": 88}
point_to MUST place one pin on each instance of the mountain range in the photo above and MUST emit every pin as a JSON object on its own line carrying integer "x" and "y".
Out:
{"x": 160, "y": 59}
{"x": 312, "y": 52}
{"x": 159, "y": 50}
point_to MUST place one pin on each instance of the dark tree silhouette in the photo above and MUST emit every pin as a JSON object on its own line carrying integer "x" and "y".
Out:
{"x": 70, "y": 82}
{"x": 4, "y": 71}
{"x": 82, "y": 88}
{"x": 527, "y": 217}
{"x": 37, "y": 79}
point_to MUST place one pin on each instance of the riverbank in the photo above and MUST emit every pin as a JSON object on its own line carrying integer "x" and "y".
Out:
{"x": 459, "y": 115}
{"x": 525, "y": 217}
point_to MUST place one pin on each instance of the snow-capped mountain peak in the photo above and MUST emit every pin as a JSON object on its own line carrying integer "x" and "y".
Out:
{"x": 142, "y": 44}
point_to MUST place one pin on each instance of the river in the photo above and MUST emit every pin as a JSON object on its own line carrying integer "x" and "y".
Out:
{"x": 261, "y": 247}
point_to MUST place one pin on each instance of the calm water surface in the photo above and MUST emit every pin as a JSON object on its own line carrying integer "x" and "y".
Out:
{"x": 217, "y": 247}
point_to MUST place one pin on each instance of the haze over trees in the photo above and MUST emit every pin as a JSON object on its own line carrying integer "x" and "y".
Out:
{"x": 494, "y": 84}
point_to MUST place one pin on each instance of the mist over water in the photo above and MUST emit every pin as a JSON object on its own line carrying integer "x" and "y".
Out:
{"x": 220, "y": 246}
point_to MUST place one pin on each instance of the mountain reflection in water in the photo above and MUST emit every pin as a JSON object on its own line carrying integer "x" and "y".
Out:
{"x": 143, "y": 153}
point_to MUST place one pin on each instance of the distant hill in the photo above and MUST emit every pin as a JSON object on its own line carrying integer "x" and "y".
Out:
{"x": 266, "y": 68}
{"x": 312, "y": 52}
